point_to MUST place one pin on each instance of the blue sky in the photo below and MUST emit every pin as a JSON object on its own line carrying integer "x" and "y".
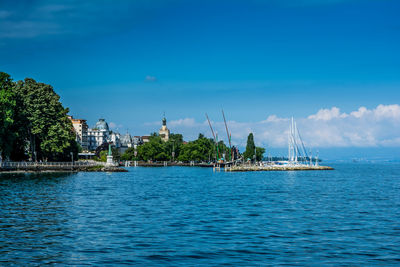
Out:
{"x": 129, "y": 61}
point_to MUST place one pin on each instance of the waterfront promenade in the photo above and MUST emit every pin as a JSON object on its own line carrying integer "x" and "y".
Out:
{"x": 78, "y": 166}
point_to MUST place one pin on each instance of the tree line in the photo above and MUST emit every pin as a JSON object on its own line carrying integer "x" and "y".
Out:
{"x": 200, "y": 150}
{"x": 33, "y": 122}
{"x": 175, "y": 149}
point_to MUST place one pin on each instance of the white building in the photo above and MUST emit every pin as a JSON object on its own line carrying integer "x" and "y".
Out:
{"x": 127, "y": 141}
{"x": 98, "y": 135}
{"x": 115, "y": 138}
{"x": 101, "y": 134}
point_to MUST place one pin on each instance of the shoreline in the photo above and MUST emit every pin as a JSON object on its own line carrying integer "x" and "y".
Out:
{"x": 43, "y": 169}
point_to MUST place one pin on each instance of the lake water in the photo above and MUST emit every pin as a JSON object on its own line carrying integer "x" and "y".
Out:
{"x": 193, "y": 216}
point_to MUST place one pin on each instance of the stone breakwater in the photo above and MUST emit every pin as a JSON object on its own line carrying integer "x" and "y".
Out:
{"x": 277, "y": 168}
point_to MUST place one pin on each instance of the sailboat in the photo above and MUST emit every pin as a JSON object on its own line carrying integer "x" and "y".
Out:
{"x": 297, "y": 153}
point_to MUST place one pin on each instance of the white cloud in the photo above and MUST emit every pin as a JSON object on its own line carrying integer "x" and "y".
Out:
{"x": 328, "y": 114}
{"x": 274, "y": 118}
{"x": 362, "y": 111}
{"x": 388, "y": 111}
{"x": 187, "y": 122}
{"x": 381, "y": 112}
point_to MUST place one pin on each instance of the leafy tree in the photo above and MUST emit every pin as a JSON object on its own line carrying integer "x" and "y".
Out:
{"x": 102, "y": 156}
{"x": 153, "y": 150}
{"x": 129, "y": 154}
{"x": 260, "y": 153}
{"x": 115, "y": 153}
{"x": 174, "y": 144}
{"x": 50, "y": 132}
{"x": 7, "y": 115}
{"x": 223, "y": 150}
{"x": 104, "y": 153}
{"x": 201, "y": 149}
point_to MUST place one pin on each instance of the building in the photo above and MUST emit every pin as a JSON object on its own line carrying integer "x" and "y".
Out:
{"x": 145, "y": 138}
{"x": 81, "y": 131}
{"x": 98, "y": 135}
{"x": 115, "y": 138}
{"x": 137, "y": 141}
{"x": 126, "y": 141}
{"x": 164, "y": 131}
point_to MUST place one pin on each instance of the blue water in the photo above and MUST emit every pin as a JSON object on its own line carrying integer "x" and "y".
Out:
{"x": 192, "y": 216}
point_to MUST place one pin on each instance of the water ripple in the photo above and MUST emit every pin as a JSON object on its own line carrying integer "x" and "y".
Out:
{"x": 193, "y": 216}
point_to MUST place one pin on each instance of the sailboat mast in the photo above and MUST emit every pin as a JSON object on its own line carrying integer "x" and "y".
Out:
{"x": 217, "y": 147}
{"x": 209, "y": 123}
{"x": 289, "y": 145}
{"x": 227, "y": 132}
{"x": 215, "y": 138}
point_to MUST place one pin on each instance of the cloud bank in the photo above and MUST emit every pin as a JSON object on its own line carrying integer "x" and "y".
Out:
{"x": 328, "y": 127}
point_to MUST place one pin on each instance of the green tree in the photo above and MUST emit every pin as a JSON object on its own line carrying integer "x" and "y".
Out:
{"x": 153, "y": 150}
{"x": 104, "y": 153}
{"x": 7, "y": 115}
{"x": 201, "y": 149}
{"x": 103, "y": 156}
{"x": 129, "y": 154}
{"x": 250, "y": 148}
{"x": 174, "y": 144}
{"x": 260, "y": 153}
{"x": 49, "y": 131}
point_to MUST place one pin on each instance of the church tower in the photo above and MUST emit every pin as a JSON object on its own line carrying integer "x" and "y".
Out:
{"x": 164, "y": 131}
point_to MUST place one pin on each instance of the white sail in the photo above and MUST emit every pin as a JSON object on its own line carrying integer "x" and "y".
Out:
{"x": 296, "y": 150}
